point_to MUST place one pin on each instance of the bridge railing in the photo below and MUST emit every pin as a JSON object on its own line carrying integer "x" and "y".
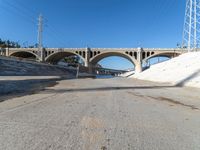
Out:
{"x": 99, "y": 49}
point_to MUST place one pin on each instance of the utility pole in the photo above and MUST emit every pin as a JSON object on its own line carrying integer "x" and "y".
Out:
{"x": 40, "y": 30}
{"x": 191, "y": 31}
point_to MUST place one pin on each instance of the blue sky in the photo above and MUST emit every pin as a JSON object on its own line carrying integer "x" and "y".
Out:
{"x": 97, "y": 23}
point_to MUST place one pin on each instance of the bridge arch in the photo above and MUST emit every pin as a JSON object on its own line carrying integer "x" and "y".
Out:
{"x": 161, "y": 54}
{"x": 25, "y": 54}
{"x": 94, "y": 60}
{"x": 54, "y": 58}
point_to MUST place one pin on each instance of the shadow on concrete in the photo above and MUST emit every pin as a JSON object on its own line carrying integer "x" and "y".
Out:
{"x": 130, "y": 75}
{"x": 104, "y": 89}
{"x": 190, "y": 77}
{"x": 17, "y": 88}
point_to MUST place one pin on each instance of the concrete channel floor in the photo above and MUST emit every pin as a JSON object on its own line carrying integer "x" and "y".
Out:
{"x": 103, "y": 114}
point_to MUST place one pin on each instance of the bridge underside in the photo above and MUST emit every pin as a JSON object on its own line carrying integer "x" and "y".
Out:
{"x": 168, "y": 55}
{"x": 24, "y": 54}
{"x": 56, "y": 57}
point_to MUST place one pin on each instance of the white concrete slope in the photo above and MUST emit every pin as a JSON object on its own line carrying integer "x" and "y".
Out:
{"x": 182, "y": 71}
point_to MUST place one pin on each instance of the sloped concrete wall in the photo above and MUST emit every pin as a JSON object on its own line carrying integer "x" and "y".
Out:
{"x": 14, "y": 67}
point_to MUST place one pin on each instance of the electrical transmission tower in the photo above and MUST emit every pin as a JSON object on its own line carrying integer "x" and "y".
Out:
{"x": 40, "y": 30}
{"x": 191, "y": 32}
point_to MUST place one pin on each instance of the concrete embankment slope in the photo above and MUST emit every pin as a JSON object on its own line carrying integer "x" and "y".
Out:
{"x": 20, "y": 77}
{"x": 16, "y": 67}
{"x": 180, "y": 71}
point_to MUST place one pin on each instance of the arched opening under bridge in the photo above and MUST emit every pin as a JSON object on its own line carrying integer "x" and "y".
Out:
{"x": 158, "y": 58}
{"x": 25, "y": 54}
{"x": 112, "y": 64}
{"x": 65, "y": 59}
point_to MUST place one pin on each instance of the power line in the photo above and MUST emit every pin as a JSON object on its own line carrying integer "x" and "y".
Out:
{"x": 59, "y": 36}
{"x": 20, "y": 12}
{"x": 162, "y": 8}
{"x": 28, "y": 15}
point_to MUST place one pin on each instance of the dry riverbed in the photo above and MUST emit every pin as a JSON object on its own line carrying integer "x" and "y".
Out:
{"x": 104, "y": 114}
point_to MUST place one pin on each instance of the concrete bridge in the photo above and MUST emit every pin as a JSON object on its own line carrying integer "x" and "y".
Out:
{"x": 91, "y": 56}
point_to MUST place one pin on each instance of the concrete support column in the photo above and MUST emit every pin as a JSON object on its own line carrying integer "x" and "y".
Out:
{"x": 7, "y": 51}
{"x": 90, "y": 69}
{"x": 42, "y": 57}
{"x": 1, "y": 51}
{"x": 87, "y": 57}
{"x": 87, "y": 60}
{"x": 138, "y": 67}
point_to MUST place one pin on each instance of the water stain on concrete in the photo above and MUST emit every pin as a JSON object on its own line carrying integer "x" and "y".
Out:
{"x": 166, "y": 100}
{"x": 175, "y": 102}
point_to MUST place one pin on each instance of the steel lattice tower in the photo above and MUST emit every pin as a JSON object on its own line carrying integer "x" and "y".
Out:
{"x": 40, "y": 30}
{"x": 191, "y": 31}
